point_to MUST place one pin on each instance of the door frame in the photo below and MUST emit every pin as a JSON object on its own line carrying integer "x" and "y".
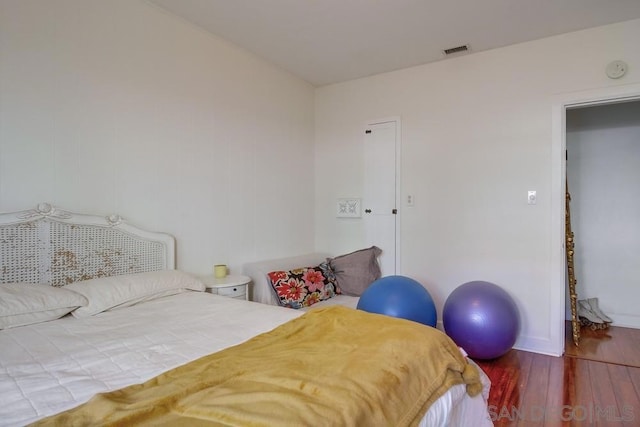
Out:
{"x": 398, "y": 175}
{"x": 562, "y": 102}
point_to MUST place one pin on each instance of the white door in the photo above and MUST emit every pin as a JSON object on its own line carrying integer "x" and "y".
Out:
{"x": 380, "y": 185}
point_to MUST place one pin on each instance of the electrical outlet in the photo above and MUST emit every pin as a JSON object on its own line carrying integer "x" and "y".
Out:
{"x": 409, "y": 199}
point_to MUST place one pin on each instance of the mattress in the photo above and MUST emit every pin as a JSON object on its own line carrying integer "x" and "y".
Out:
{"x": 50, "y": 367}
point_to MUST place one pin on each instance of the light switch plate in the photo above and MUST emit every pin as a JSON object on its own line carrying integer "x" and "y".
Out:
{"x": 348, "y": 208}
{"x": 532, "y": 197}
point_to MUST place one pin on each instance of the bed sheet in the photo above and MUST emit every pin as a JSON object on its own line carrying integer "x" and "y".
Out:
{"x": 54, "y": 366}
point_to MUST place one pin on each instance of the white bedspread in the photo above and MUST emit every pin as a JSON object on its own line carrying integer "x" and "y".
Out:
{"x": 50, "y": 367}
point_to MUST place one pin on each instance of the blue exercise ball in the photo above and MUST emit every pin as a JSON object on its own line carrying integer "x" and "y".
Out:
{"x": 399, "y": 296}
{"x": 482, "y": 318}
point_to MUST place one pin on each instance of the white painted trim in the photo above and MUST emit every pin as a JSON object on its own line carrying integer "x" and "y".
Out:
{"x": 398, "y": 174}
{"x": 561, "y": 103}
{"x": 537, "y": 345}
{"x": 558, "y": 256}
{"x": 626, "y": 320}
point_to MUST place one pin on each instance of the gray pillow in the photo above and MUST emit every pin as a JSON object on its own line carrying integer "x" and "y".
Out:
{"x": 355, "y": 271}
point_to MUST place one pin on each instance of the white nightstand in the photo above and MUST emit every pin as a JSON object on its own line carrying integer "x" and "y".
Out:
{"x": 233, "y": 286}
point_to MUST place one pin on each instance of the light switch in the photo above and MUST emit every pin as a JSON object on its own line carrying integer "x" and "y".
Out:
{"x": 348, "y": 208}
{"x": 531, "y": 197}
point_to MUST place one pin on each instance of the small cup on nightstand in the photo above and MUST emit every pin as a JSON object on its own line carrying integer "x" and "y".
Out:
{"x": 220, "y": 271}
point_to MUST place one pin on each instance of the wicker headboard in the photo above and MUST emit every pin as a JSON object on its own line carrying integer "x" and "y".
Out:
{"x": 49, "y": 245}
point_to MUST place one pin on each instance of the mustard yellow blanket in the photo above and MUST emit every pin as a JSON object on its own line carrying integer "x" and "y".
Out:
{"x": 332, "y": 366}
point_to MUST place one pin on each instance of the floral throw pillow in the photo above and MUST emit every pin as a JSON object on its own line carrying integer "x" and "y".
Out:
{"x": 303, "y": 287}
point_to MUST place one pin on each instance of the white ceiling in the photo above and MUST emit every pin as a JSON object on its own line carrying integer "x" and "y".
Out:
{"x": 328, "y": 41}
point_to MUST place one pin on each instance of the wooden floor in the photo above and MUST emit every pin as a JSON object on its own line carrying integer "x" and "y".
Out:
{"x": 612, "y": 345}
{"x": 531, "y": 389}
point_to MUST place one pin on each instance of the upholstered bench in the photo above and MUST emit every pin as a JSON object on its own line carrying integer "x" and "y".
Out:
{"x": 262, "y": 291}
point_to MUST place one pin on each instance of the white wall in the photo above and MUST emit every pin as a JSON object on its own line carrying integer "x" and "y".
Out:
{"x": 119, "y": 107}
{"x": 476, "y": 136}
{"x": 604, "y": 173}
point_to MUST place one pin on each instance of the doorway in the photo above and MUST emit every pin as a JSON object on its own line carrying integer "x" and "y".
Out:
{"x": 603, "y": 174}
{"x": 381, "y": 190}
{"x": 562, "y": 103}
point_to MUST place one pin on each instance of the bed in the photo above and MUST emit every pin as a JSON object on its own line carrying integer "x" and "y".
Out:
{"x": 56, "y": 371}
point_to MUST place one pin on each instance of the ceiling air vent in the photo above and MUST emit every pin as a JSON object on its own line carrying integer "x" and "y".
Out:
{"x": 456, "y": 50}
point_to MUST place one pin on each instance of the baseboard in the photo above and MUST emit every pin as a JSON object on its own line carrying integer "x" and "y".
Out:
{"x": 537, "y": 345}
{"x": 625, "y": 320}
{"x": 530, "y": 344}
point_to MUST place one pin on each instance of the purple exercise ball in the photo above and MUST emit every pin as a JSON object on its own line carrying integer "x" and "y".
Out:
{"x": 482, "y": 318}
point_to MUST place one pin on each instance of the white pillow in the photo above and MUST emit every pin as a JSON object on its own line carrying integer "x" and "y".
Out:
{"x": 25, "y": 303}
{"x": 108, "y": 293}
